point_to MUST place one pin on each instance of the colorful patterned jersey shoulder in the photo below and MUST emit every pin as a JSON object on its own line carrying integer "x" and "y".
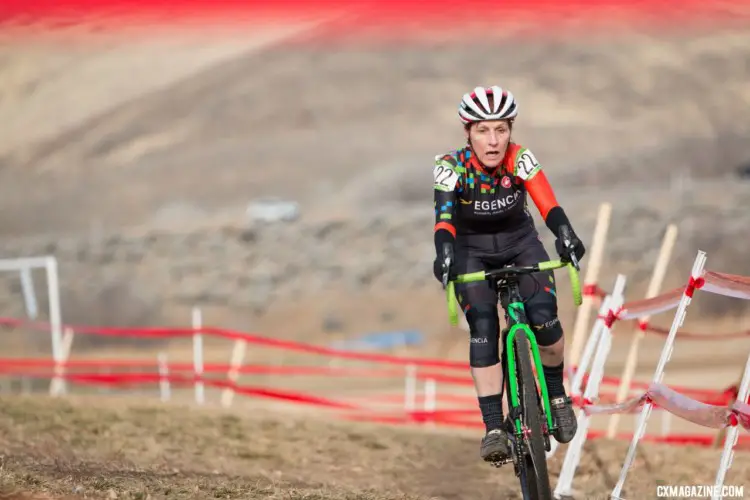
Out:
{"x": 448, "y": 170}
{"x": 524, "y": 163}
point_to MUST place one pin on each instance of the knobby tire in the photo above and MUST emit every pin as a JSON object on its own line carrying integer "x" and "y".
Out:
{"x": 537, "y": 477}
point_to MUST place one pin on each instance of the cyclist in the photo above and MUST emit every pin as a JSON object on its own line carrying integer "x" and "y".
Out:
{"x": 482, "y": 222}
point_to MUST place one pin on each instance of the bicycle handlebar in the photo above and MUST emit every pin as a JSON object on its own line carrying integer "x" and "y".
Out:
{"x": 575, "y": 282}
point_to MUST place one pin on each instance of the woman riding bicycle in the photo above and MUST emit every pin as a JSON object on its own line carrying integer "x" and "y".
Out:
{"x": 482, "y": 222}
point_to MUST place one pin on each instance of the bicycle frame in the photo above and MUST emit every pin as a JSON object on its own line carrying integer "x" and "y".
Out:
{"x": 531, "y": 437}
{"x": 517, "y": 322}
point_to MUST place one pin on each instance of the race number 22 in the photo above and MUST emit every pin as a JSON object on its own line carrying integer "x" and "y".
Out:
{"x": 527, "y": 165}
{"x": 445, "y": 177}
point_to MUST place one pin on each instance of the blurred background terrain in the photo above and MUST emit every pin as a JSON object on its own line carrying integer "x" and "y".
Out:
{"x": 154, "y": 167}
{"x": 275, "y": 172}
{"x": 134, "y": 163}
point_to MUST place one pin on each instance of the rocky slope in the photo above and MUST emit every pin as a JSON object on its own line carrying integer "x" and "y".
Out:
{"x": 147, "y": 193}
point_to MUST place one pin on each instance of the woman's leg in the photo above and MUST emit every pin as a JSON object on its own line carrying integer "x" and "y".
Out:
{"x": 479, "y": 304}
{"x": 540, "y": 299}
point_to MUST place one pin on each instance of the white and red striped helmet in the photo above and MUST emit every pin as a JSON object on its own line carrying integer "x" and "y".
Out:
{"x": 476, "y": 107}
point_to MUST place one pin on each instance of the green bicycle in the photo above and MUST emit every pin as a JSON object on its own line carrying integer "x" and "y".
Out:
{"x": 529, "y": 420}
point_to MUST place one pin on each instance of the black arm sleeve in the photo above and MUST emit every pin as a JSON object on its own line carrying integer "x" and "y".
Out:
{"x": 446, "y": 183}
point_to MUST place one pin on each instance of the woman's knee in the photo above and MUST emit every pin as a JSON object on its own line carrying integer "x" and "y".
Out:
{"x": 484, "y": 329}
{"x": 542, "y": 313}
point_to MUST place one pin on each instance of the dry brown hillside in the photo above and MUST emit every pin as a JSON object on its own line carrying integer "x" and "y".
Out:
{"x": 176, "y": 136}
{"x": 88, "y": 129}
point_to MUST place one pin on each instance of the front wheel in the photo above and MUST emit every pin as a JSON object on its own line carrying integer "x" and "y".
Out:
{"x": 535, "y": 463}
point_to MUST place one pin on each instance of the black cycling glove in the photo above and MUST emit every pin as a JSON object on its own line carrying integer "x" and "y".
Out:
{"x": 556, "y": 219}
{"x": 444, "y": 243}
{"x": 444, "y": 253}
{"x": 575, "y": 248}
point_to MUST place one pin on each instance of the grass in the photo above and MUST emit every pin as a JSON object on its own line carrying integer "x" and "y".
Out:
{"x": 123, "y": 449}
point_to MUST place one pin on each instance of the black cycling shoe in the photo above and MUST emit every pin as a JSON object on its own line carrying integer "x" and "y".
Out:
{"x": 564, "y": 419}
{"x": 495, "y": 446}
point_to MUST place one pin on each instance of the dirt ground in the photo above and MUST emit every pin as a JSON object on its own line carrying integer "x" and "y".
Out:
{"x": 704, "y": 364}
{"x": 101, "y": 448}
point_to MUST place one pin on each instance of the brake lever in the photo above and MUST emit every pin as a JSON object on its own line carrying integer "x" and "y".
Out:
{"x": 574, "y": 261}
{"x": 447, "y": 266}
{"x": 567, "y": 242}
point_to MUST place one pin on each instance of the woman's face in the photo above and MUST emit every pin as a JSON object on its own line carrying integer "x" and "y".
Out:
{"x": 489, "y": 140}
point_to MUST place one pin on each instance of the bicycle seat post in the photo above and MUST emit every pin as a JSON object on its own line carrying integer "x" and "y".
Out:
{"x": 508, "y": 290}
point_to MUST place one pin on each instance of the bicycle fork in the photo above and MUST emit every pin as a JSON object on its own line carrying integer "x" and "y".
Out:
{"x": 517, "y": 323}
